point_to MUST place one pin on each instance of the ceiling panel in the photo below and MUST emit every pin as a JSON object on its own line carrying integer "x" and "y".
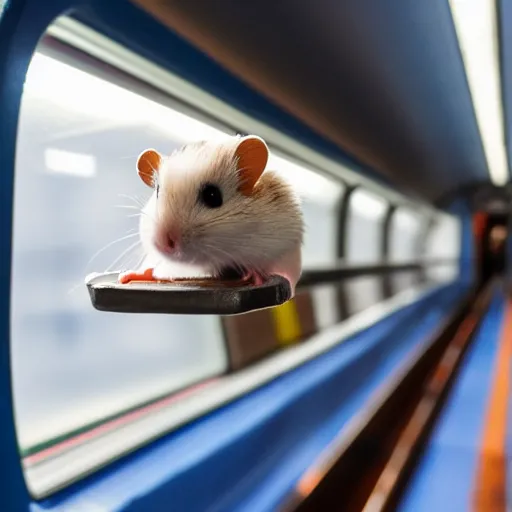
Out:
{"x": 383, "y": 80}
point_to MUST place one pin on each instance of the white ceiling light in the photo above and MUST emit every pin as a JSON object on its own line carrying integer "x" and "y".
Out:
{"x": 307, "y": 183}
{"x": 407, "y": 220}
{"x": 476, "y": 23}
{"x": 367, "y": 204}
{"x": 68, "y": 162}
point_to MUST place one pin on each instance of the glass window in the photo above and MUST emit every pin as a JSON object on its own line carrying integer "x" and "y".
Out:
{"x": 443, "y": 241}
{"x": 320, "y": 197}
{"x": 77, "y": 201}
{"x": 365, "y": 224}
{"x": 405, "y": 230}
{"x": 78, "y": 140}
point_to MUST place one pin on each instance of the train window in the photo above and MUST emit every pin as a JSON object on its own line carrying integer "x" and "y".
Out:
{"x": 77, "y": 198}
{"x": 405, "y": 230}
{"x": 365, "y": 225}
{"x": 444, "y": 242}
{"x": 320, "y": 198}
{"x": 78, "y": 139}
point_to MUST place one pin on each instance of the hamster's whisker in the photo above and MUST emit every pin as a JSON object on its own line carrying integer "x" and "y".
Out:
{"x": 152, "y": 177}
{"x": 139, "y": 214}
{"x": 150, "y": 217}
{"x": 73, "y": 289}
{"x": 212, "y": 250}
{"x": 221, "y": 252}
{"x": 155, "y": 170}
{"x": 140, "y": 200}
{"x": 122, "y": 255}
{"x": 226, "y": 253}
{"x": 127, "y": 262}
{"x": 137, "y": 201}
{"x": 233, "y": 260}
{"x": 127, "y": 206}
{"x": 138, "y": 262}
{"x": 96, "y": 254}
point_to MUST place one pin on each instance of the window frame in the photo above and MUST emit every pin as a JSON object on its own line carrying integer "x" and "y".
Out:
{"x": 381, "y": 260}
{"x": 344, "y": 207}
{"x": 387, "y": 279}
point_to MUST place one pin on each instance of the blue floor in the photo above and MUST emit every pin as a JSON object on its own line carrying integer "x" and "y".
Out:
{"x": 247, "y": 455}
{"x": 445, "y": 477}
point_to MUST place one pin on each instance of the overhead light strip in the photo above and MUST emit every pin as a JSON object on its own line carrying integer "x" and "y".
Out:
{"x": 476, "y": 24}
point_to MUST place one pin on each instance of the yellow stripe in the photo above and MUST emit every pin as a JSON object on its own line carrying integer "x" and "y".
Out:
{"x": 286, "y": 323}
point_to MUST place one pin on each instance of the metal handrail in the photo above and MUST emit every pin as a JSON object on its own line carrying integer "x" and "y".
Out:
{"x": 312, "y": 276}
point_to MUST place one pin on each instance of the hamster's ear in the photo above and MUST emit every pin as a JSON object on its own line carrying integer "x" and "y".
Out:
{"x": 252, "y": 153}
{"x": 148, "y": 165}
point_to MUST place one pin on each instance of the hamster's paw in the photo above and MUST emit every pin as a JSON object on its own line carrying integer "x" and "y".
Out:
{"x": 136, "y": 275}
{"x": 253, "y": 277}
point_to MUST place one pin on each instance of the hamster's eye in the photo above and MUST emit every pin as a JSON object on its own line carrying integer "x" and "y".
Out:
{"x": 157, "y": 190}
{"x": 211, "y": 196}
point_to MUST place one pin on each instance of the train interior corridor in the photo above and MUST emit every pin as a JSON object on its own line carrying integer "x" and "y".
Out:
{"x": 376, "y": 377}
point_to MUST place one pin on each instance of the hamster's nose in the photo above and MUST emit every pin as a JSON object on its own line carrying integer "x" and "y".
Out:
{"x": 167, "y": 243}
{"x": 171, "y": 243}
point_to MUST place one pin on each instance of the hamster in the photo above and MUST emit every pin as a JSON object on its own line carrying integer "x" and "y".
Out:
{"x": 215, "y": 207}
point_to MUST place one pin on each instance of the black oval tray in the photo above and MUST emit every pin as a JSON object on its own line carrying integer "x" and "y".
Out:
{"x": 184, "y": 298}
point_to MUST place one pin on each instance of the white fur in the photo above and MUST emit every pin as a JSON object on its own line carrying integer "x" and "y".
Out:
{"x": 262, "y": 232}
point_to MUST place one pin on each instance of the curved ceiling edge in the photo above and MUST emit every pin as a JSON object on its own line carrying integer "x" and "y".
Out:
{"x": 383, "y": 80}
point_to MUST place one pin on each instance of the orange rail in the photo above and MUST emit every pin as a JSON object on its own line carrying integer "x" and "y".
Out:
{"x": 490, "y": 485}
